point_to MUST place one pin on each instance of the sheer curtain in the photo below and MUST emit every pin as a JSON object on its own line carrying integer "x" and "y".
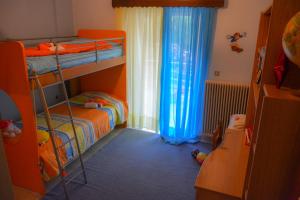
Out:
{"x": 187, "y": 42}
{"x": 144, "y": 28}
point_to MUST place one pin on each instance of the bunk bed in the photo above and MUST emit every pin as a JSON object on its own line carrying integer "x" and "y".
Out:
{"x": 94, "y": 62}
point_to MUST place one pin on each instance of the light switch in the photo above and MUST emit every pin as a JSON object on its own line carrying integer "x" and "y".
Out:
{"x": 217, "y": 73}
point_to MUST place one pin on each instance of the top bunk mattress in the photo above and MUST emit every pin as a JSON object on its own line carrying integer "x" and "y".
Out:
{"x": 44, "y": 64}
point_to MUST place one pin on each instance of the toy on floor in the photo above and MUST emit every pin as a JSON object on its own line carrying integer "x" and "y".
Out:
{"x": 8, "y": 129}
{"x": 215, "y": 140}
{"x": 199, "y": 156}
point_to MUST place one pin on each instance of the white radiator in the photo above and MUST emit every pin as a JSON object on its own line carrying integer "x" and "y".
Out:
{"x": 222, "y": 99}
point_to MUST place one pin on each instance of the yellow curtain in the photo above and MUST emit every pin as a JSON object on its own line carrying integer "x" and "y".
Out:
{"x": 143, "y": 27}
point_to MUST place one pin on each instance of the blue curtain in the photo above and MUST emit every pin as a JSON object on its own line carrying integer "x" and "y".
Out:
{"x": 187, "y": 42}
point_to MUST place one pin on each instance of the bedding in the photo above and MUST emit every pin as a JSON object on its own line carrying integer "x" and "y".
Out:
{"x": 90, "y": 124}
{"x": 48, "y": 48}
{"x": 237, "y": 121}
{"x": 77, "y": 52}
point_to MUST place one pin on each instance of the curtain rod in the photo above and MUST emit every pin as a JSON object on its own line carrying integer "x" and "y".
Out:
{"x": 168, "y": 3}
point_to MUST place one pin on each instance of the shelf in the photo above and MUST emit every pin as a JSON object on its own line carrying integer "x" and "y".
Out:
{"x": 283, "y": 93}
{"x": 256, "y": 90}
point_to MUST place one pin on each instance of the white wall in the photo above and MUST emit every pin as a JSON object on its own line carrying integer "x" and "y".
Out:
{"x": 238, "y": 16}
{"x": 35, "y": 18}
{"x": 93, "y": 14}
{"x": 32, "y": 19}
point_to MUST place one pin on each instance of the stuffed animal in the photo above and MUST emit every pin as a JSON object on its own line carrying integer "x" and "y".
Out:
{"x": 95, "y": 103}
{"x": 99, "y": 101}
{"x": 8, "y": 129}
{"x": 215, "y": 141}
{"x": 91, "y": 105}
{"x": 199, "y": 156}
{"x": 42, "y": 137}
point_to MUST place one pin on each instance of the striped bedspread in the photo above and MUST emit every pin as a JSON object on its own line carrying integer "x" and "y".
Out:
{"x": 115, "y": 108}
{"x": 90, "y": 125}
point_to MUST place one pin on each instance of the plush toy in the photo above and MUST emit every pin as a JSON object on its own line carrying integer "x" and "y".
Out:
{"x": 95, "y": 103}
{"x": 42, "y": 136}
{"x": 99, "y": 101}
{"x": 216, "y": 140}
{"x": 8, "y": 129}
{"x": 91, "y": 105}
{"x": 199, "y": 156}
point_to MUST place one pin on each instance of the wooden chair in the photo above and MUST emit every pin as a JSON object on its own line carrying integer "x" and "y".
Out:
{"x": 217, "y": 136}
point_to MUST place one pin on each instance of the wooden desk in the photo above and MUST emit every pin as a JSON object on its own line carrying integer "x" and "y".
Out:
{"x": 222, "y": 175}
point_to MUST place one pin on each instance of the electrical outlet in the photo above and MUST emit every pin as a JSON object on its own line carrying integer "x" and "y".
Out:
{"x": 217, "y": 73}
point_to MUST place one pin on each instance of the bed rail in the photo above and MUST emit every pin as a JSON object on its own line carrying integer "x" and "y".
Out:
{"x": 38, "y": 38}
{"x": 51, "y": 78}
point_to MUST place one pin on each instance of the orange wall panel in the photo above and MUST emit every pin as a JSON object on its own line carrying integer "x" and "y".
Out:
{"x": 22, "y": 153}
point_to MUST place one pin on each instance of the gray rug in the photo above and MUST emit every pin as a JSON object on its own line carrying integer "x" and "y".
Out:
{"x": 137, "y": 165}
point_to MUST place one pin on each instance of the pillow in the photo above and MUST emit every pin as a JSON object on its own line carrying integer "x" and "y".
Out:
{"x": 237, "y": 122}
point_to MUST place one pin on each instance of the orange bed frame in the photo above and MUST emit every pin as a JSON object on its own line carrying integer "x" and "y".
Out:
{"x": 22, "y": 152}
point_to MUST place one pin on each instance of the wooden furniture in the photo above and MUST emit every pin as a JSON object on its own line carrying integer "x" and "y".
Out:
{"x": 6, "y": 191}
{"x": 217, "y": 136}
{"x": 23, "y": 194}
{"x": 168, "y": 3}
{"x": 271, "y": 168}
{"x": 104, "y": 75}
{"x": 222, "y": 174}
{"x": 272, "y": 112}
{"x": 275, "y": 150}
{"x": 272, "y": 24}
{"x": 70, "y": 73}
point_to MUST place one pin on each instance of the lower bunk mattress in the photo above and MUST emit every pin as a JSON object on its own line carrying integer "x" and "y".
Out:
{"x": 91, "y": 125}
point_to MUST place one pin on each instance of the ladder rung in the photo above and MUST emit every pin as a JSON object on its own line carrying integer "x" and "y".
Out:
{"x": 52, "y": 84}
{"x": 70, "y": 161}
{"x": 58, "y": 104}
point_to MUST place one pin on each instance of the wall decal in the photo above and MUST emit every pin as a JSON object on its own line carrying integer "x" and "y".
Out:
{"x": 233, "y": 39}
